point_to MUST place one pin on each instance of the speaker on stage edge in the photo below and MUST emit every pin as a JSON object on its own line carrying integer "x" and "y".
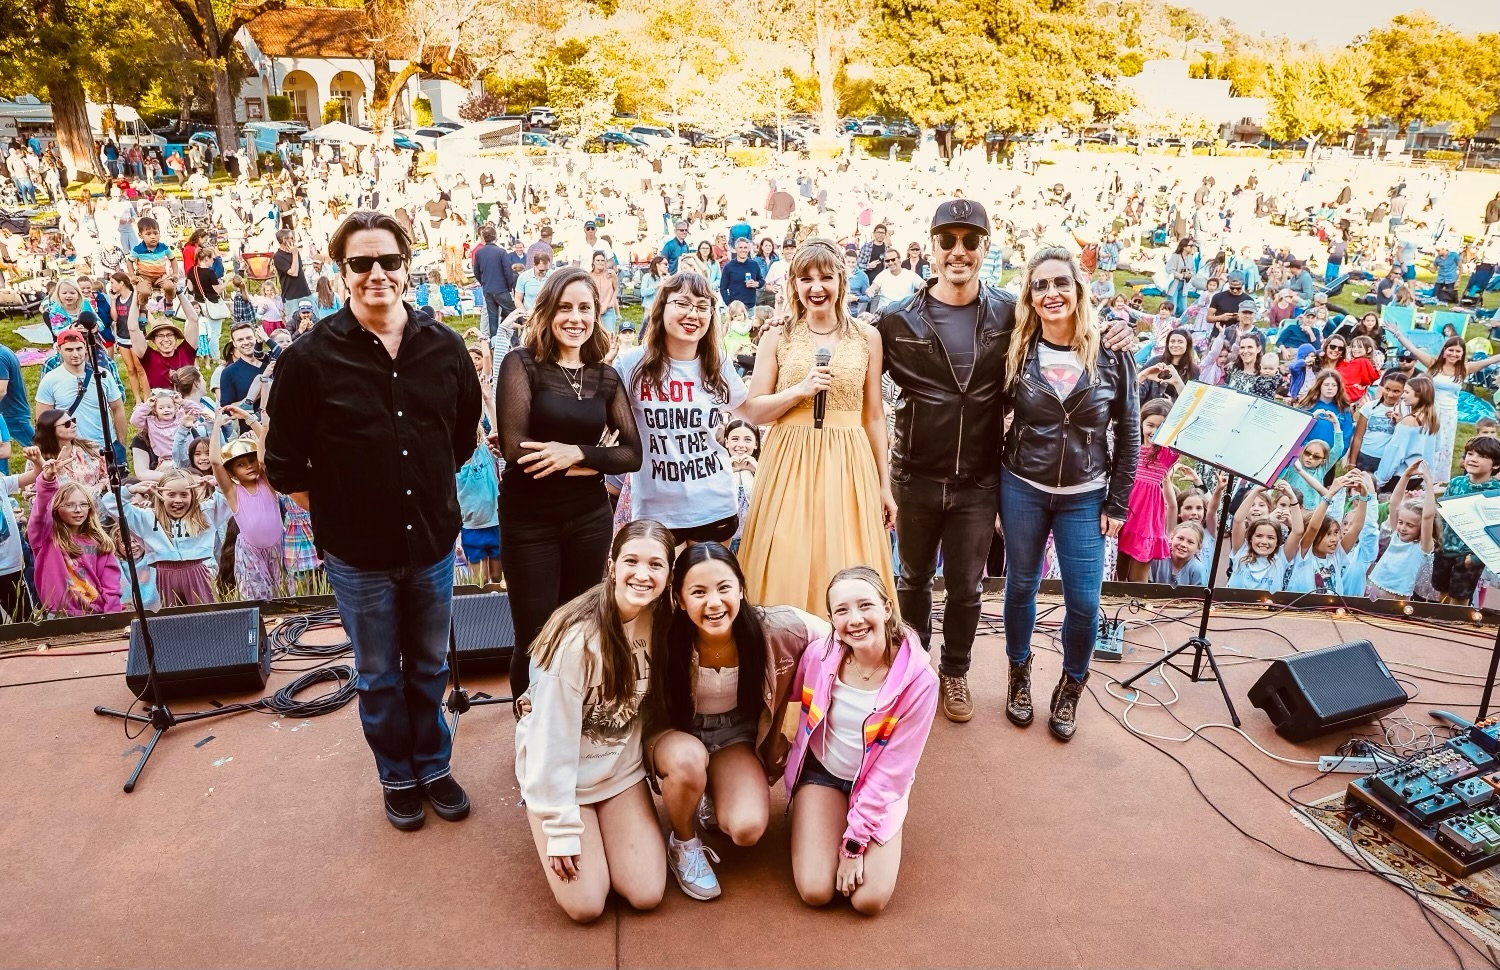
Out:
{"x": 484, "y": 634}
{"x": 202, "y": 654}
{"x": 1322, "y": 691}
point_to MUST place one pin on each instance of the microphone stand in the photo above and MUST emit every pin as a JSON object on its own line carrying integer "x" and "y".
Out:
{"x": 158, "y": 715}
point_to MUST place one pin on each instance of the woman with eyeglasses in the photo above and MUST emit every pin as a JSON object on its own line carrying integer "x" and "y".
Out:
{"x": 1062, "y": 477}
{"x": 565, "y": 422}
{"x": 823, "y": 497}
{"x": 78, "y": 459}
{"x": 682, "y": 386}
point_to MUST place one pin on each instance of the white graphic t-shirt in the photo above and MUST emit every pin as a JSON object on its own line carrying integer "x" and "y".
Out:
{"x": 685, "y": 479}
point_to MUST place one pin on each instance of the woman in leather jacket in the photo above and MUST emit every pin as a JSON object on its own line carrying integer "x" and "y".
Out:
{"x": 1070, "y": 455}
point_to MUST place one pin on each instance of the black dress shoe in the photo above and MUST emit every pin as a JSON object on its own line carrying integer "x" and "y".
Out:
{"x": 448, "y": 798}
{"x": 403, "y": 808}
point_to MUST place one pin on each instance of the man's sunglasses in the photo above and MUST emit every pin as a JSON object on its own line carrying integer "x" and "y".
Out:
{"x": 971, "y": 240}
{"x": 390, "y": 262}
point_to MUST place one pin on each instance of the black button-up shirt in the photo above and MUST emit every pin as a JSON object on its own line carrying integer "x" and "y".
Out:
{"x": 375, "y": 441}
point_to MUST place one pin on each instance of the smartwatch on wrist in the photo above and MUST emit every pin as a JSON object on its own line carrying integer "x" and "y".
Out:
{"x": 852, "y": 849}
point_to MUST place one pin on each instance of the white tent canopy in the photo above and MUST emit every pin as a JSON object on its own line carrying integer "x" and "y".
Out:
{"x": 338, "y": 131}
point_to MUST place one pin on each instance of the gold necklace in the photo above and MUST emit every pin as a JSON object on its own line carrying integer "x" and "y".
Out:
{"x": 865, "y": 677}
{"x": 824, "y": 333}
{"x": 574, "y": 378}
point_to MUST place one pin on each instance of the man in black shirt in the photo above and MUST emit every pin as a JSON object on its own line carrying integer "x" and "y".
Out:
{"x": 288, "y": 264}
{"x": 1224, "y": 305}
{"x": 372, "y": 415}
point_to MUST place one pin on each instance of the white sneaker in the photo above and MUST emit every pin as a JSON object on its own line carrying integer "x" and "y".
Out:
{"x": 689, "y": 862}
{"x": 708, "y": 818}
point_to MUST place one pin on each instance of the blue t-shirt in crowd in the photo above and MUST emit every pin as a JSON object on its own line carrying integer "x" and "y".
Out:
{"x": 14, "y": 408}
{"x": 1446, "y": 266}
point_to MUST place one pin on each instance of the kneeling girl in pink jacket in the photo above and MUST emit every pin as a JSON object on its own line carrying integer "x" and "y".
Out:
{"x": 867, "y": 695}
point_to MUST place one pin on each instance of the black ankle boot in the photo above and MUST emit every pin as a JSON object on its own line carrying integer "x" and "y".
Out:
{"x": 1064, "y": 719}
{"x": 1018, "y": 694}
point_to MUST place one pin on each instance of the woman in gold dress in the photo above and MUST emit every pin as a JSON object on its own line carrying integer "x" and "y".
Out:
{"x": 822, "y": 499}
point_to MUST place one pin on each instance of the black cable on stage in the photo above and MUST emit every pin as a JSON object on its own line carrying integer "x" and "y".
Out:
{"x": 286, "y": 638}
{"x": 284, "y": 701}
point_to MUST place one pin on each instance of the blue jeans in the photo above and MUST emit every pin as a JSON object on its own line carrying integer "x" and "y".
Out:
{"x": 1029, "y": 515}
{"x": 26, "y": 191}
{"x": 398, "y": 620}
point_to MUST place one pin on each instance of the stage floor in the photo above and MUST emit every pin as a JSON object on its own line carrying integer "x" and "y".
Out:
{"x": 266, "y": 845}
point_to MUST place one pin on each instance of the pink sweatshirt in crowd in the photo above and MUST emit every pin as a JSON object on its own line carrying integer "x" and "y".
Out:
{"x": 895, "y": 732}
{"x": 72, "y": 586}
{"x": 160, "y": 433}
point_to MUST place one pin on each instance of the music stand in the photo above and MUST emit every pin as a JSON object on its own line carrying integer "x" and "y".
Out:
{"x": 1476, "y": 520}
{"x": 1247, "y": 437}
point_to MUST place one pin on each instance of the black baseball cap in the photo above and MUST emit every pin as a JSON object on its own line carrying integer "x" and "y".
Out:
{"x": 964, "y": 213}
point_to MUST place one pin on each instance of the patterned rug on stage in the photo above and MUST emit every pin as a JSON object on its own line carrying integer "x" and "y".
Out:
{"x": 1462, "y": 901}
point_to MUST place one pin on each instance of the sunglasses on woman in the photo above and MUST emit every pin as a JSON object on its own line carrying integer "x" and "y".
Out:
{"x": 66, "y": 423}
{"x": 1062, "y": 284}
{"x": 390, "y": 262}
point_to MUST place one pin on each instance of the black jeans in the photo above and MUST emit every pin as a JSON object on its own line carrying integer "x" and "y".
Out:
{"x": 548, "y": 561}
{"x": 959, "y": 519}
{"x": 497, "y": 307}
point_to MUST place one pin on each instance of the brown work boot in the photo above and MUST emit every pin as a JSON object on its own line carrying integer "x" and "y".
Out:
{"x": 957, "y": 705}
{"x": 1064, "y": 719}
{"x": 1018, "y": 694}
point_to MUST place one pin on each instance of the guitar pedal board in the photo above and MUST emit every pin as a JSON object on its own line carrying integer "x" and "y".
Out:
{"x": 1443, "y": 804}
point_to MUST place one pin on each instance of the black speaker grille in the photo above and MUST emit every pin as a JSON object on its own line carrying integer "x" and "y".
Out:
{"x": 1343, "y": 678}
{"x": 197, "y": 654}
{"x": 482, "y": 625}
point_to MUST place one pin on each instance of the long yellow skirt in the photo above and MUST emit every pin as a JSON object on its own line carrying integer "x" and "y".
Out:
{"x": 815, "y": 510}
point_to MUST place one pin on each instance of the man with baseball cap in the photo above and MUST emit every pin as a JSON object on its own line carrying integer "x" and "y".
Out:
{"x": 70, "y": 388}
{"x": 945, "y": 348}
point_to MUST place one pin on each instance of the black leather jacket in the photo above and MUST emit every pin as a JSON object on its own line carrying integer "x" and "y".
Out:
{"x": 1063, "y": 442}
{"x": 944, "y": 433}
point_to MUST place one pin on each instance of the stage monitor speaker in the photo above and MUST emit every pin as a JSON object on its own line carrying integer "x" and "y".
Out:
{"x": 484, "y": 634}
{"x": 1322, "y": 691}
{"x": 202, "y": 654}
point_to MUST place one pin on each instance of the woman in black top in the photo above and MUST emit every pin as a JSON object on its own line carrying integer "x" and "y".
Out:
{"x": 1166, "y": 374}
{"x": 565, "y": 423}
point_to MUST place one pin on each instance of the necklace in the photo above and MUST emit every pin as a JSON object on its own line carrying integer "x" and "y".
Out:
{"x": 823, "y": 333}
{"x": 574, "y": 377}
{"x": 864, "y": 677}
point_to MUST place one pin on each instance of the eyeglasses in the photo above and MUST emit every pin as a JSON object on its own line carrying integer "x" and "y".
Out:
{"x": 971, "y": 240}
{"x": 77, "y": 506}
{"x": 1062, "y": 284}
{"x": 390, "y": 262}
{"x": 893, "y": 259}
{"x": 687, "y": 306}
{"x": 66, "y": 423}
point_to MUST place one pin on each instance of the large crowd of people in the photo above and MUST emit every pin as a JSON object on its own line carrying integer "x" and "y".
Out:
{"x": 720, "y": 526}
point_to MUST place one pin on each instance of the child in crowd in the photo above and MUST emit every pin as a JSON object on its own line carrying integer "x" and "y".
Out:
{"x": 1144, "y": 536}
{"x": 179, "y": 528}
{"x": 1192, "y": 504}
{"x": 1487, "y": 427}
{"x": 1184, "y": 567}
{"x": 241, "y": 309}
{"x": 1409, "y": 555}
{"x": 1305, "y": 474}
{"x": 1376, "y": 423}
{"x": 1359, "y": 370}
{"x": 1324, "y": 563}
{"x": 433, "y": 299}
{"x": 152, "y": 258}
{"x": 479, "y": 502}
{"x": 299, "y": 553}
{"x": 157, "y": 419}
{"x": 268, "y": 307}
{"x": 1415, "y": 436}
{"x": 1455, "y": 569}
{"x": 239, "y": 470}
{"x": 1257, "y": 548}
{"x": 742, "y": 441}
{"x": 75, "y": 568}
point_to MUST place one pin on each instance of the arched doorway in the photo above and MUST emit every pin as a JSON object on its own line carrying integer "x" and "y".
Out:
{"x": 348, "y": 88}
{"x": 303, "y": 90}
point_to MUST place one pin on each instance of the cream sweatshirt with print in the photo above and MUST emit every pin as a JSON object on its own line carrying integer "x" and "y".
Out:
{"x": 573, "y": 749}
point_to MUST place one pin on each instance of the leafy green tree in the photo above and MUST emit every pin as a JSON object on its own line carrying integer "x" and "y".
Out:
{"x": 1423, "y": 71}
{"x": 1318, "y": 97}
{"x": 210, "y": 27}
{"x": 1007, "y": 66}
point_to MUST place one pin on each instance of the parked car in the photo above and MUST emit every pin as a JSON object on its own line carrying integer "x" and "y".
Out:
{"x": 903, "y": 129}
{"x": 449, "y": 125}
{"x": 871, "y": 127}
{"x": 534, "y": 139}
{"x": 613, "y": 141}
{"x": 426, "y": 137}
{"x": 541, "y": 116}
{"x": 657, "y": 136}
{"x": 789, "y": 139}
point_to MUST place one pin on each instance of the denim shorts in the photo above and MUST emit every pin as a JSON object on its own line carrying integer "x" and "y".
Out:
{"x": 813, "y": 773}
{"x": 719, "y": 731}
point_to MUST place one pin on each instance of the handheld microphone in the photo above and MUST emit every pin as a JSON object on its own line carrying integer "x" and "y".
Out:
{"x": 820, "y": 399}
{"x": 87, "y": 320}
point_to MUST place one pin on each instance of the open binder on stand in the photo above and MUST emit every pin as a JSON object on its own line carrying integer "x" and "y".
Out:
{"x": 1476, "y": 519}
{"x": 1247, "y": 436}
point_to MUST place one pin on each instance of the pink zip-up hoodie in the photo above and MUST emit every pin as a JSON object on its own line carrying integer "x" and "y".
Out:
{"x": 89, "y": 583}
{"x": 895, "y": 733}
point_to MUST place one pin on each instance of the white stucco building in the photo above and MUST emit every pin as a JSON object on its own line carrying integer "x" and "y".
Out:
{"x": 314, "y": 54}
{"x": 1163, "y": 88}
